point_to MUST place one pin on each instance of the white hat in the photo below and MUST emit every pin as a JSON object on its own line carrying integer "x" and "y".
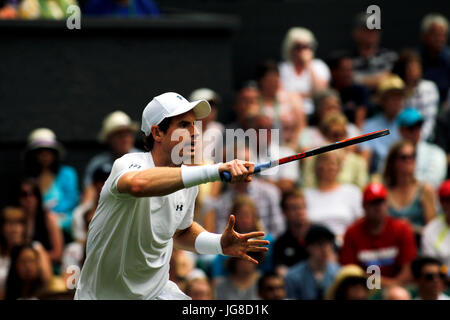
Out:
{"x": 44, "y": 138}
{"x": 171, "y": 104}
{"x": 115, "y": 121}
{"x": 204, "y": 94}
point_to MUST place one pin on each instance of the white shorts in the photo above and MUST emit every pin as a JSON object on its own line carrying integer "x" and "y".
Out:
{"x": 171, "y": 292}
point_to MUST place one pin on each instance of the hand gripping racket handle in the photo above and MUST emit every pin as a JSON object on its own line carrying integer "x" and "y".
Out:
{"x": 226, "y": 176}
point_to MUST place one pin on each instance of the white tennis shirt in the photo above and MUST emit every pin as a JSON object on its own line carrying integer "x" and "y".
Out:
{"x": 129, "y": 242}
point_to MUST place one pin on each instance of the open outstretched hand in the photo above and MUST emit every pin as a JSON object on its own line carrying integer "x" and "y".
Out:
{"x": 237, "y": 245}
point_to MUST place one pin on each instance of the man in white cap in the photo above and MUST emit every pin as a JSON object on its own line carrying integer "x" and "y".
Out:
{"x": 146, "y": 207}
{"x": 118, "y": 133}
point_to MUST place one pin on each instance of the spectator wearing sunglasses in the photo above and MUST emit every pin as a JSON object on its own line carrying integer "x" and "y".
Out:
{"x": 380, "y": 240}
{"x": 436, "y": 234}
{"x": 431, "y": 162}
{"x": 429, "y": 278}
{"x": 408, "y": 198}
{"x": 353, "y": 166}
{"x": 301, "y": 72}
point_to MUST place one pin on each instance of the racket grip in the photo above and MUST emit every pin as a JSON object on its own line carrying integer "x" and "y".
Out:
{"x": 226, "y": 176}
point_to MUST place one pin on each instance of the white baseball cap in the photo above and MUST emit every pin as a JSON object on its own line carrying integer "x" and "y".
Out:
{"x": 171, "y": 104}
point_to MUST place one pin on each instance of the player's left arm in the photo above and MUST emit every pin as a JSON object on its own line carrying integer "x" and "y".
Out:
{"x": 229, "y": 243}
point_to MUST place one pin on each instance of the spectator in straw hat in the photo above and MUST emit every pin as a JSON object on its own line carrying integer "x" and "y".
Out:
{"x": 350, "y": 284}
{"x": 58, "y": 183}
{"x": 118, "y": 133}
{"x": 391, "y": 99}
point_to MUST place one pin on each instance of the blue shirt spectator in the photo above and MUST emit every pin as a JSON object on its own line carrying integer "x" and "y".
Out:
{"x": 301, "y": 283}
{"x": 309, "y": 280}
{"x": 122, "y": 8}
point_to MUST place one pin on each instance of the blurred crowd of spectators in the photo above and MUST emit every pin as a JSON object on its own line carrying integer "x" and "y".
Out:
{"x": 366, "y": 222}
{"x": 60, "y": 9}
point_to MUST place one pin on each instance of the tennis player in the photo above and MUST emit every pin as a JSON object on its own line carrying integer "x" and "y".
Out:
{"x": 146, "y": 207}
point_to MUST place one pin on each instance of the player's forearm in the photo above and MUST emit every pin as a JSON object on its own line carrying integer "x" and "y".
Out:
{"x": 185, "y": 239}
{"x": 152, "y": 182}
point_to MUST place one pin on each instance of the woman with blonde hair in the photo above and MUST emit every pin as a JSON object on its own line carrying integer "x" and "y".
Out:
{"x": 353, "y": 168}
{"x": 247, "y": 218}
{"x": 407, "y": 197}
{"x": 332, "y": 204}
{"x": 301, "y": 72}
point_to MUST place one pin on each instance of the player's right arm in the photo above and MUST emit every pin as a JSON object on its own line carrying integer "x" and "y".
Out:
{"x": 161, "y": 181}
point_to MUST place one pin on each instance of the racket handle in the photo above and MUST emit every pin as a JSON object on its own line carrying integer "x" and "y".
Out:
{"x": 226, "y": 176}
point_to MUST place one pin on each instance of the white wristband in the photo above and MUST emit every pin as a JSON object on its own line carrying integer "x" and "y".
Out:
{"x": 195, "y": 175}
{"x": 208, "y": 243}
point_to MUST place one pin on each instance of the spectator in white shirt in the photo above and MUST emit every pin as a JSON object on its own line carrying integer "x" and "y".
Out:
{"x": 436, "y": 234}
{"x": 431, "y": 161}
{"x": 334, "y": 205}
{"x": 301, "y": 72}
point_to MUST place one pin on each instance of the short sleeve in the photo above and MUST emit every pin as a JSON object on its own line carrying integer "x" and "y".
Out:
{"x": 120, "y": 167}
{"x": 321, "y": 70}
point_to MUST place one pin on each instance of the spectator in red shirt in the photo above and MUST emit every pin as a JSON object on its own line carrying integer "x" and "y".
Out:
{"x": 378, "y": 239}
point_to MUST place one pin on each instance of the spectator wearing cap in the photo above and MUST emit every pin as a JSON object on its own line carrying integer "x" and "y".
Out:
{"x": 421, "y": 94}
{"x": 371, "y": 62}
{"x": 408, "y": 198}
{"x": 58, "y": 183}
{"x": 350, "y": 284}
{"x": 429, "y": 277}
{"x": 309, "y": 280}
{"x": 289, "y": 248}
{"x": 436, "y": 234}
{"x": 354, "y": 97}
{"x": 435, "y": 53}
{"x": 380, "y": 240}
{"x": 300, "y": 71}
{"x": 431, "y": 161}
{"x": 118, "y": 133}
{"x": 391, "y": 99}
